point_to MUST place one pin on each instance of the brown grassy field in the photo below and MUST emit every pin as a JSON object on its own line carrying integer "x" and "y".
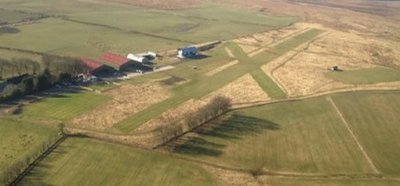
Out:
{"x": 125, "y": 101}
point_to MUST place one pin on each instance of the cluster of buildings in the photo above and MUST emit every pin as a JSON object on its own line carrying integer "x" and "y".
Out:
{"x": 111, "y": 64}
{"x": 115, "y": 65}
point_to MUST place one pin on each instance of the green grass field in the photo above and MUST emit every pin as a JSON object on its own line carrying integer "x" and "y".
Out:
{"x": 367, "y": 76}
{"x": 80, "y": 161}
{"x": 75, "y": 39}
{"x": 103, "y": 26}
{"x": 303, "y": 136}
{"x": 375, "y": 119}
{"x": 9, "y": 16}
{"x": 6, "y": 54}
{"x": 21, "y": 142}
{"x": 200, "y": 85}
{"x": 197, "y": 25}
{"x": 63, "y": 107}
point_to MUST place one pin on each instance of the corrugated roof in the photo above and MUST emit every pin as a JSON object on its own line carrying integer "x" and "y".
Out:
{"x": 114, "y": 59}
{"x": 91, "y": 64}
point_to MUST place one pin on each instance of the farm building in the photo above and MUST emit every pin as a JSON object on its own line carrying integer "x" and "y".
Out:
{"x": 126, "y": 64}
{"x": 115, "y": 60}
{"x": 188, "y": 52}
{"x": 97, "y": 68}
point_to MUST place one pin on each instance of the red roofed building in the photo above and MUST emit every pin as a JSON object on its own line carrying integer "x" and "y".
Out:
{"x": 97, "y": 68}
{"x": 114, "y": 59}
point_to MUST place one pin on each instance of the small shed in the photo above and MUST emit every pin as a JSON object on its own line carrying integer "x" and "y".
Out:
{"x": 188, "y": 52}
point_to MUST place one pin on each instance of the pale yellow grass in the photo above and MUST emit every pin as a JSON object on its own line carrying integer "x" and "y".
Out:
{"x": 303, "y": 71}
{"x": 126, "y": 100}
{"x": 243, "y": 90}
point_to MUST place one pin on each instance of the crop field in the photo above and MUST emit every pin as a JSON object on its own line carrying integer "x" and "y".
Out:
{"x": 62, "y": 107}
{"x": 21, "y": 142}
{"x": 367, "y": 76}
{"x": 303, "y": 136}
{"x": 199, "y": 85}
{"x": 80, "y": 161}
{"x": 375, "y": 120}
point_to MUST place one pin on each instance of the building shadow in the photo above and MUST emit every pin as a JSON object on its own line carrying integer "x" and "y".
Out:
{"x": 210, "y": 139}
{"x": 197, "y": 57}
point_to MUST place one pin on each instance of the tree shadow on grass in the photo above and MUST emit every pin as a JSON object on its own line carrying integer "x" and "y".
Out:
{"x": 235, "y": 127}
{"x": 41, "y": 171}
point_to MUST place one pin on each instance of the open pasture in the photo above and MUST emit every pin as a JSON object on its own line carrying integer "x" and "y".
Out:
{"x": 12, "y": 16}
{"x": 374, "y": 117}
{"x": 195, "y": 25}
{"x": 20, "y": 143}
{"x": 88, "y": 28}
{"x": 303, "y": 136}
{"x": 80, "y": 161}
{"x": 61, "y": 37}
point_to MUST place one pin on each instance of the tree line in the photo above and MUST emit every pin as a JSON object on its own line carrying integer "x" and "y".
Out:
{"x": 32, "y": 76}
{"x": 175, "y": 128}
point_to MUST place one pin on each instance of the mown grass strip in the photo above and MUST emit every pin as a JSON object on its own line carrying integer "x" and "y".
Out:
{"x": 267, "y": 84}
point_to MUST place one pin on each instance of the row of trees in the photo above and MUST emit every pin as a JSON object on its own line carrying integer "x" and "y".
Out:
{"x": 33, "y": 76}
{"x": 216, "y": 107}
